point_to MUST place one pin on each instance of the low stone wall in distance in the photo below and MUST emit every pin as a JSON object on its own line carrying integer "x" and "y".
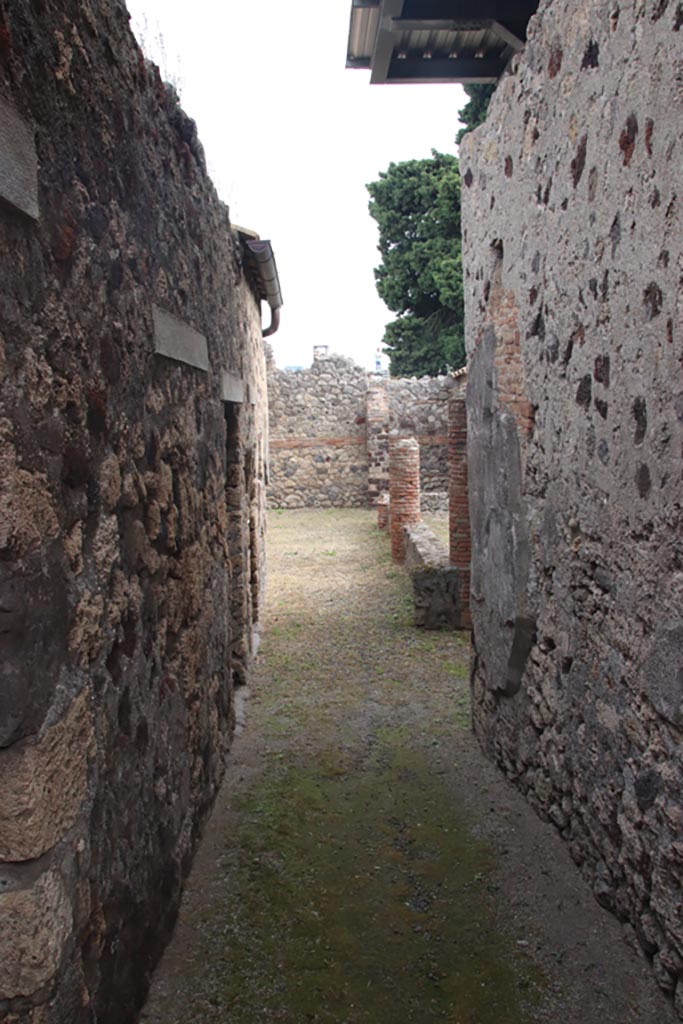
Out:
{"x": 435, "y": 581}
{"x": 434, "y": 501}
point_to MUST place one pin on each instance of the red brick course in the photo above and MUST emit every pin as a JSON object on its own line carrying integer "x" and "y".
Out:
{"x": 503, "y": 314}
{"x": 285, "y": 443}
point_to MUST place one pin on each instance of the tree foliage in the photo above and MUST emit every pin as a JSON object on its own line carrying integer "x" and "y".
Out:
{"x": 474, "y": 112}
{"x": 417, "y": 208}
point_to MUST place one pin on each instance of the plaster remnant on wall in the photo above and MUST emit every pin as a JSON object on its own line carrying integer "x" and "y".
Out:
{"x": 178, "y": 340}
{"x": 18, "y": 161}
{"x": 662, "y": 672}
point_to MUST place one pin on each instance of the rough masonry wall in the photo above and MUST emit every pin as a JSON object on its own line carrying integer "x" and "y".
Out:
{"x": 317, "y": 416}
{"x": 130, "y": 507}
{"x": 330, "y": 428}
{"x": 419, "y": 408}
{"x": 573, "y": 231}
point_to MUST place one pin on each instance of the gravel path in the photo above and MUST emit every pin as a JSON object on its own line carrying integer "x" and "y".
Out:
{"x": 364, "y": 864}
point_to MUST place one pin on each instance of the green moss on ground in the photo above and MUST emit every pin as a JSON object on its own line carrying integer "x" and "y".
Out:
{"x": 350, "y": 888}
{"x": 360, "y": 895}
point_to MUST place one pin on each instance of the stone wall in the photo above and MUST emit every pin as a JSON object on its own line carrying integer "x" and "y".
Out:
{"x": 131, "y": 507}
{"x": 318, "y": 454}
{"x": 330, "y": 427}
{"x": 573, "y": 250}
{"x": 437, "y": 588}
{"x": 419, "y": 408}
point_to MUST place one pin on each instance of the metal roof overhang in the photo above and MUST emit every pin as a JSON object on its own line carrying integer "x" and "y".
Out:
{"x": 436, "y": 40}
{"x": 261, "y": 268}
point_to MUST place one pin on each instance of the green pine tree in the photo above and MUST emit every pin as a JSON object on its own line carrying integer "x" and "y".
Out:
{"x": 417, "y": 208}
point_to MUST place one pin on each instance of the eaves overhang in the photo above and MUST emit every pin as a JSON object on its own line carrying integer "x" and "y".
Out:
{"x": 402, "y": 41}
{"x": 259, "y": 260}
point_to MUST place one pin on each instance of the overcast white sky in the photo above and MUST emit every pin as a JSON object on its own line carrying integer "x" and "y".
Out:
{"x": 291, "y": 139}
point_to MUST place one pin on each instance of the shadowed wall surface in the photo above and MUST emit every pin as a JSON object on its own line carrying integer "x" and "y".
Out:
{"x": 131, "y": 507}
{"x": 572, "y": 228}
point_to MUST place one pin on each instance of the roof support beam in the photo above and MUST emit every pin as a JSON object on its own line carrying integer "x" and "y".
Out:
{"x": 457, "y": 69}
{"x": 439, "y": 24}
{"x": 384, "y": 40}
{"x": 499, "y": 10}
{"x": 506, "y": 34}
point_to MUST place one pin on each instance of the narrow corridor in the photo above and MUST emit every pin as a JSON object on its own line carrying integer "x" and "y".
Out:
{"x": 364, "y": 864}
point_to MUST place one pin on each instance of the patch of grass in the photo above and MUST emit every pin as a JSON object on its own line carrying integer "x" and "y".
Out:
{"x": 332, "y": 879}
{"x": 349, "y": 887}
{"x": 459, "y": 669}
{"x": 462, "y": 708}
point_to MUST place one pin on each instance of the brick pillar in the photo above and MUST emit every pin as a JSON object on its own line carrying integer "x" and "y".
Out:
{"x": 404, "y": 491}
{"x": 460, "y": 548}
{"x": 377, "y": 415}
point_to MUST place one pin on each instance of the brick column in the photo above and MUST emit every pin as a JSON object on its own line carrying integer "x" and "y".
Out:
{"x": 460, "y": 548}
{"x": 404, "y": 491}
{"x": 377, "y": 415}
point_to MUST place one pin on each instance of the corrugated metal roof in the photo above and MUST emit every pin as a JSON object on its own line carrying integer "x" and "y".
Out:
{"x": 467, "y": 41}
{"x": 442, "y": 43}
{"x": 362, "y": 32}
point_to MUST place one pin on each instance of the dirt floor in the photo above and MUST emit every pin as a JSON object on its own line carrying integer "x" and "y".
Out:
{"x": 364, "y": 863}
